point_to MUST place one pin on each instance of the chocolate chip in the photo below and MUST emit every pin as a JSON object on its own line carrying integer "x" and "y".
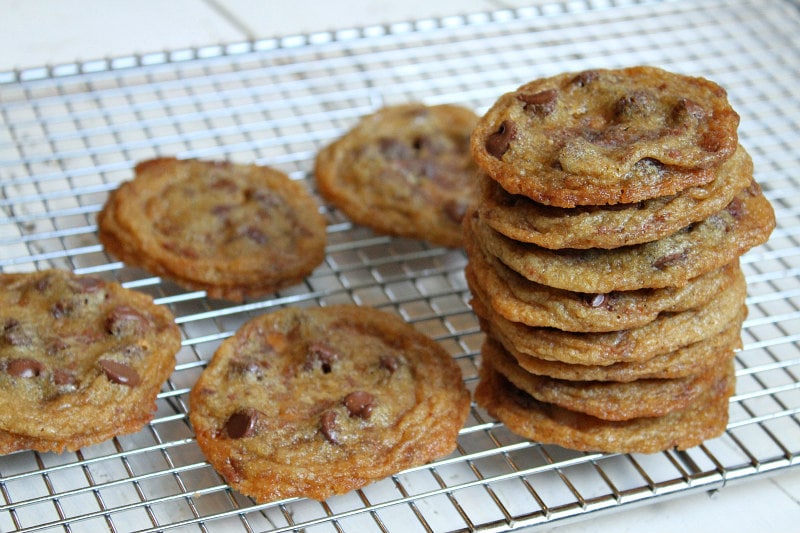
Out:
{"x": 582, "y": 79}
{"x": 119, "y": 373}
{"x": 359, "y": 403}
{"x": 687, "y": 109}
{"x": 455, "y": 210}
{"x": 24, "y": 368}
{"x": 498, "y": 142}
{"x": 669, "y": 259}
{"x": 55, "y": 346}
{"x": 122, "y": 319}
{"x": 320, "y": 355}
{"x": 63, "y": 378}
{"x": 595, "y": 300}
{"x": 327, "y": 425}
{"x": 14, "y": 334}
{"x": 541, "y": 103}
{"x": 60, "y": 309}
{"x": 390, "y": 363}
{"x": 635, "y": 104}
{"x": 248, "y": 366}
{"x": 254, "y": 234}
{"x": 392, "y": 148}
{"x": 242, "y": 423}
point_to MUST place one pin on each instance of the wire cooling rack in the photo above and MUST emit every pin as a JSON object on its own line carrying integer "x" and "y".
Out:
{"x": 71, "y": 133}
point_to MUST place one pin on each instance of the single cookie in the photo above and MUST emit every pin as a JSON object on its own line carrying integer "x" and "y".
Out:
{"x": 522, "y": 219}
{"x": 81, "y": 360}
{"x": 665, "y": 334}
{"x": 704, "y": 419}
{"x": 606, "y": 136}
{"x": 405, "y": 170}
{"x": 319, "y": 401}
{"x": 232, "y": 230}
{"x": 699, "y": 248}
{"x": 695, "y": 358}
{"x": 520, "y": 300}
{"x": 607, "y": 400}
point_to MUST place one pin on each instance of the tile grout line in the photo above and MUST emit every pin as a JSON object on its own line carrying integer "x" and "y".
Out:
{"x": 231, "y": 18}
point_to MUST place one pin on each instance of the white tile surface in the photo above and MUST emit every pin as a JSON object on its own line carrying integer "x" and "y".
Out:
{"x": 268, "y": 19}
{"x": 52, "y": 32}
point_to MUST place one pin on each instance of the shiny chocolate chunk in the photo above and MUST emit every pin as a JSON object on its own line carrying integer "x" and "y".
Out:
{"x": 498, "y": 142}
{"x": 360, "y": 404}
{"x": 669, "y": 259}
{"x": 542, "y": 103}
{"x": 390, "y": 363}
{"x": 123, "y": 319}
{"x": 321, "y": 355}
{"x": 242, "y": 423}
{"x": 24, "y": 368}
{"x": 327, "y": 426}
{"x": 119, "y": 373}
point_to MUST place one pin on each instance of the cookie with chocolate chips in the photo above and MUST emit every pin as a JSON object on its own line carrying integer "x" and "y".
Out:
{"x": 606, "y": 136}
{"x": 313, "y": 402}
{"x": 405, "y": 170}
{"x": 608, "y": 400}
{"x": 81, "y": 360}
{"x": 518, "y": 299}
{"x": 668, "y": 332}
{"x": 745, "y": 222}
{"x": 703, "y": 419}
{"x": 520, "y": 218}
{"x": 233, "y": 230}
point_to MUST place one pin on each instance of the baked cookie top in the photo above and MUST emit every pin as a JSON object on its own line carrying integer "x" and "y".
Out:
{"x": 405, "y": 170}
{"x": 745, "y": 222}
{"x": 606, "y": 136}
{"x": 522, "y": 219}
{"x": 319, "y": 401}
{"x": 81, "y": 360}
{"x": 232, "y": 230}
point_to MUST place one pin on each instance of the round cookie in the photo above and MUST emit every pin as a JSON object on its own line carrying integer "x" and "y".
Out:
{"x": 704, "y": 419}
{"x": 606, "y": 136}
{"x": 405, "y": 170}
{"x": 522, "y": 219}
{"x": 319, "y": 401}
{"x": 695, "y": 358}
{"x": 666, "y": 333}
{"x": 520, "y": 300}
{"x": 232, "y": 230}
{"x": 699, "y": 248}
{"x": 81, "y": 360}
{"x": 608, "y": 400}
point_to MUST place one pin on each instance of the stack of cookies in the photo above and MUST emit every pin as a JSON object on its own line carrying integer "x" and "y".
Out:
{"x": 604, "y": 258}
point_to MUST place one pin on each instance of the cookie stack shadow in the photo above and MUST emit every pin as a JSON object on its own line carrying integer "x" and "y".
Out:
{"x": 611, "y": 320}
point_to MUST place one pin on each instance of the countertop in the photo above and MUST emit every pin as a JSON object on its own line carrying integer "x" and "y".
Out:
{"x": 54, "y": 32}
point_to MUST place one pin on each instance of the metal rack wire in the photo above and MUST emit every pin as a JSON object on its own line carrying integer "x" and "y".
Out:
{"x": 71, "y": 133}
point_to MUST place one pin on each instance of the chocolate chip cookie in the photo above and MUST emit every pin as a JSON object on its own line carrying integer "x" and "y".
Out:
{"x": 518, "y": 299}
{"x": 705, "y": 418}
{"x": 319, "y": 401}
{"x": 695, "y": 358}
{"x": 666, "y": 333}
{"x": 610, "y": 400}
{"x": 232, "y": 230}
{"x": 81, "y": 360}
{"x": 405, "y": 170}
{"x": 606, "y": 136}
{"x": 745, "y": 222}
{"x": 524, "y": 220}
